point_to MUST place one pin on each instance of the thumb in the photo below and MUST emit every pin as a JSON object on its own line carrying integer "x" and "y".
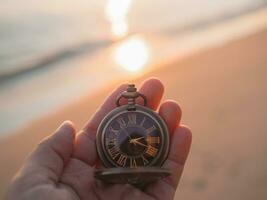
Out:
{"x": 49, "y": 158}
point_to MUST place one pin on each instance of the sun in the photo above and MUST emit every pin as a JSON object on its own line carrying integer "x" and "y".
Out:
{"x": 132, "y": 54}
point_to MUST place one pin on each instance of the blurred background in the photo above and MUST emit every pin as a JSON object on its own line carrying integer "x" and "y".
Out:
{"x": 59, "y": 59}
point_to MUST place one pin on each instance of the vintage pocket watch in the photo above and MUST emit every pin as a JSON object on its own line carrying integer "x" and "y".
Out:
{"x": 132, "y": 142}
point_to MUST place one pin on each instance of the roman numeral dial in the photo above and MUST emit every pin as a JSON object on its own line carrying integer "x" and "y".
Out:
{"x": 121, "y": 122}
{"x": 153, "y": 139}
{"x": 150, "y": 129}
{"x": 114, "y": 152}
{"x": 122, "y": 160}
{"x": 151, "y": 151}
{"x": 133, "y": 163}
{"x": 132, "y": 139}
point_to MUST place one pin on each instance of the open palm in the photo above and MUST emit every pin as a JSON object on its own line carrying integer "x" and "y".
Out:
{"x": 62, "y": 165}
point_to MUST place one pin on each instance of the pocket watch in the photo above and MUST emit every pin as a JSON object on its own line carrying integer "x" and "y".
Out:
{"x": 132, "y": 142}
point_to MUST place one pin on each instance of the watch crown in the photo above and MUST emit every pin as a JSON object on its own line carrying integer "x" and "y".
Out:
{"x": 131, "y": 88}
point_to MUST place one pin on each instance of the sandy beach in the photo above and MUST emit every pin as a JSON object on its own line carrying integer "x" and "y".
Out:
{"x": 222, "y": 92}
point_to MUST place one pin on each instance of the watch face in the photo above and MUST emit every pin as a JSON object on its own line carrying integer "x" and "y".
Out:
{"x": 133, "y": 139}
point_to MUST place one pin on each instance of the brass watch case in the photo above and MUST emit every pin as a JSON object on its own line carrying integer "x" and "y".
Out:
{"x": 110, "y": 172}
{"x": 100, "y": 145}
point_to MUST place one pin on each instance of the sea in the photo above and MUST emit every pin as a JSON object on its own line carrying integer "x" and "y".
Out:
{"x": 48, "y": 49}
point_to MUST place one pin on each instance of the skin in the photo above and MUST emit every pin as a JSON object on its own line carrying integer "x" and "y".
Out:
{"x": 62, "y": 165}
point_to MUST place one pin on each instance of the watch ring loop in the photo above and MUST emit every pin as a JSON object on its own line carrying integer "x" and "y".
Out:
{"x": 131, "y": 100}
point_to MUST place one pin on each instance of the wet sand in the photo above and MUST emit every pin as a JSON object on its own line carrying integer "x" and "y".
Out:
{"x": 222, "y": 92}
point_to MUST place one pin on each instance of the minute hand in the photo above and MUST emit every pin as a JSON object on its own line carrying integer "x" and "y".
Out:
{"x": 140, "y": 143}
{"x": 135, "y": 139}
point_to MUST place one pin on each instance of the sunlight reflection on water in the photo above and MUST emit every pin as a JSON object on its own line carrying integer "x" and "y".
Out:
{"x": 116, "y": 12}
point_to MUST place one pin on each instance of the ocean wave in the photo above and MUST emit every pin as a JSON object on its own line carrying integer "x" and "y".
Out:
{"x": 47, "y": 60}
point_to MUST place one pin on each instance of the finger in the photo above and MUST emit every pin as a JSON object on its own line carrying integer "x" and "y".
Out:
{"x": 85, "y": 143}
{"x": 108, "y": 105}
{"x": 50, "y": 156}
{"x": 153, "y": 90}
{"x": 85, "y": 149}
{"x": 180, "y": 146}
{"x": 171, "y": 113}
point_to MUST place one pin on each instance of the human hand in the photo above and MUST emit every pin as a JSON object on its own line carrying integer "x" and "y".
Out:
{"x": 62, "y": 165}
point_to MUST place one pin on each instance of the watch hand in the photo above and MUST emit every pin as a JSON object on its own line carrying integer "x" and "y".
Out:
{"x": 140, "y": 143}
{"x": 136, "y": 139}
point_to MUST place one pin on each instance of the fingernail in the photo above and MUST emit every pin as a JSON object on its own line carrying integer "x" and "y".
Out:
{"x": 67, "y": 126}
